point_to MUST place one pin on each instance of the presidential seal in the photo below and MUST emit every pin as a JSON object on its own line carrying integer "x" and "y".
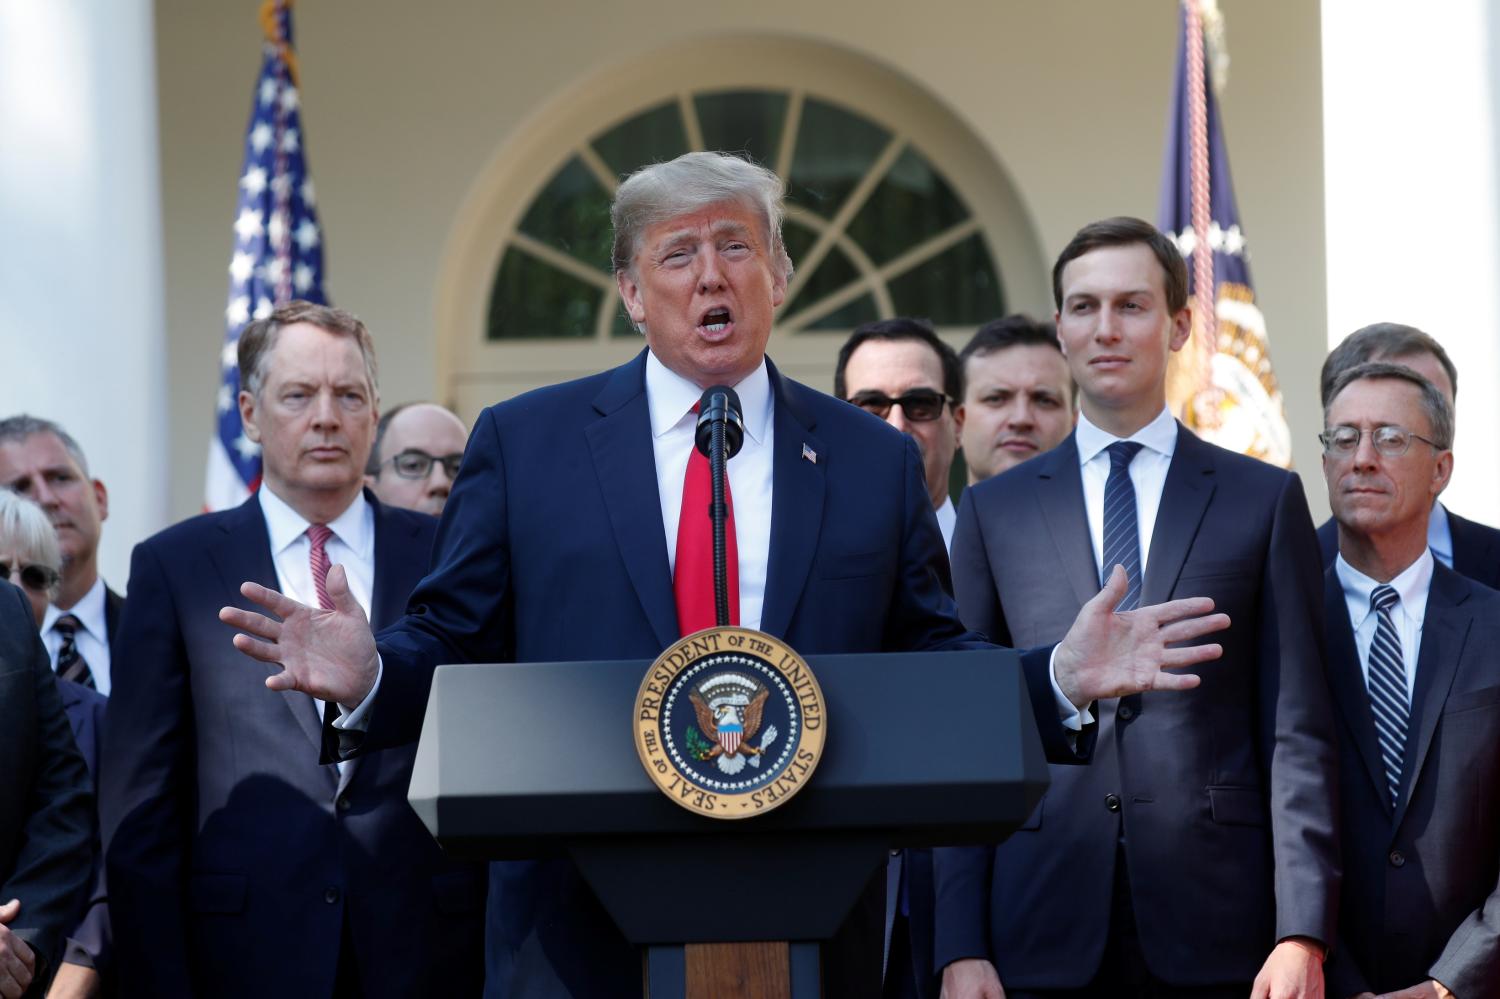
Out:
{"x": 729, "y": 723}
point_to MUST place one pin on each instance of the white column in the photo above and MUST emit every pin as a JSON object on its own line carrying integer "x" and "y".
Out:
{"x": 81, "y": 328}
{"x": 1410, "y": 130}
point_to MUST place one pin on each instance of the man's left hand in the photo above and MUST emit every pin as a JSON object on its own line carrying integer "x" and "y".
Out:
{"x": 1111, "y": 654}
{"x": 1427, "y": 990}
{"x": 1293, "y": 971}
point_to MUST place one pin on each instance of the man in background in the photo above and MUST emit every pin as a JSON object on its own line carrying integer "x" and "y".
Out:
{"x": 42, "y": 462}
{"x": 898, "y": 369}
{"x": 1018, "y": 401}
{"x": 418, "y": 448}
{"x": 1468, "y": 548}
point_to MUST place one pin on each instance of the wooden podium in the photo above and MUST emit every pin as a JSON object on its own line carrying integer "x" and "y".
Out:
{"x": 923, "y": 749}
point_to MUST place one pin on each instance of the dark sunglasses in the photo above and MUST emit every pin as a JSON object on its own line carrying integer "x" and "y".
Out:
{"x": 414, "y": 464}
{"x": 33, "y": 577}
{"x": 919, "y": 405}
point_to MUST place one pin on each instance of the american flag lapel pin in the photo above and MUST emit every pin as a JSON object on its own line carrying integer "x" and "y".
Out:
{"x": 809, "y": 454}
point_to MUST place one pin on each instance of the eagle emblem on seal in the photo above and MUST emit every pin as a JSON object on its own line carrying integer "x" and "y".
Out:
{"x": 729, "y": 707}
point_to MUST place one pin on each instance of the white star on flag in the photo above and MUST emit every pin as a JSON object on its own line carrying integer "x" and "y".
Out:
{"x": 254, "y": 181}
{"x": 261, "y": 136}
{"x": 307, "y": 234}
{"x": 302, "y": 277}
{"x": 275, "y": 268}
{"x": 289, "y": 100}
{"x": 246, "y": 447}
{"x": 238, "y": 314}
{"x": 280, "y": 185}
{"x": 225, "y": 399}
{"x": 289, "y": 141}
{"x": 248, "y": 225}
{"x": 267, "y": 90}
{"x": 241, "y": 267}
{"x": 230, "y": 355}
{"x": 309, "y": 196}
{"x": 276, "y": 231}
{"x": 263, "y": 308}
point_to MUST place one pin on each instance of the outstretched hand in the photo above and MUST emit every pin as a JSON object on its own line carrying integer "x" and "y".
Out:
{"x": 329, "y": 654}
{"x": 1112, "y": 654}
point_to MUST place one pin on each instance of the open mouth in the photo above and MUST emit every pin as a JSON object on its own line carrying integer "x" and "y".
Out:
{"x": 716, "y": 320}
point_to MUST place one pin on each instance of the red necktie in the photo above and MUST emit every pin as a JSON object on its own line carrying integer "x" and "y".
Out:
{"x": 317, "y": 560}
{"x": 693, "y": 582}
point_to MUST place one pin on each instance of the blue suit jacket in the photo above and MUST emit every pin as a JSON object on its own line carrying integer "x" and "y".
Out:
{"x": 1223, "y": 794}
{"x": 1422, "y": 878}
{"x": 1476, "y": 548}
{"x": 234, "y": 857}
{"x": 552, "y": 549}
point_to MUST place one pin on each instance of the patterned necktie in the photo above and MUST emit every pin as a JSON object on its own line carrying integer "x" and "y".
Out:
{"x": 1386, "y": 681}
{"x": 317, "y": 560}
{"x": 1122, "y": 540}
{"x": 693, "y": 580}
{"x": 71, "y": 665}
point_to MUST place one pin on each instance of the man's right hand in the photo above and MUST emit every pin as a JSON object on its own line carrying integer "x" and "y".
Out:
{"x": 329, "y": 654}
{"x": 971, "y": 978}
{"x": 17, "y": 961}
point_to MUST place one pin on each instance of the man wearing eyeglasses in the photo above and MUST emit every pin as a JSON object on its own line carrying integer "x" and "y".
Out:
{"x": 898, "y": 369}
{"x": 1415, "y": 671}
{"x": 418, "y": 448}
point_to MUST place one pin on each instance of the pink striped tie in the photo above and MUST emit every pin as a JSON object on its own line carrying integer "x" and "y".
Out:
{"x": 317, "y": 560}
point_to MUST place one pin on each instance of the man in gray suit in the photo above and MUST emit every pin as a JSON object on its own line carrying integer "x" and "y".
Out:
{"x": 1414, "y": 662}
{"x": 1202, "y": 837}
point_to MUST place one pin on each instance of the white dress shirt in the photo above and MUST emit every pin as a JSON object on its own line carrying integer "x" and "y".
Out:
{"x": 947, "y": 516}
{"x": 1148, "y": 474}
{"x": 351, "y": 546}
{"x": 1411, "y": 586}
{"x": 91, "y": 639}
{"x": 673, "y": 425}
{"x": 1440, "y": 535}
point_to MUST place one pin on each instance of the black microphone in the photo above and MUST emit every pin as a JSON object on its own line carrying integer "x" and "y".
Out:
{"x": 720, "y": 405}
{"x": 719, "y": 436}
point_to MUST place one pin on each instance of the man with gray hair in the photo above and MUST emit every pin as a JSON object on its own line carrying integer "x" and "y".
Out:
{"x": 1414, "y": 664}
{"x": 1470, "y": 549}
{"x": 41, "y": 461}
{"x": 564, "y": 545}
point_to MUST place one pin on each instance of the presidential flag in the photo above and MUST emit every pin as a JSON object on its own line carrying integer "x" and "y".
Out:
{"x": 278, "y": 247}
{"x": 1221, "y": 384}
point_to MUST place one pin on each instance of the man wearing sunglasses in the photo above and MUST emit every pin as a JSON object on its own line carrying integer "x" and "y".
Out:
{"x": 1414, "y": 669}
{"x": 898, "y": 369}
{"x": 418, "y": 447}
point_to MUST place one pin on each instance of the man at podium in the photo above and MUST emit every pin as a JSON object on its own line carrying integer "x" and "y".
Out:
{"x": 562, "y": 536}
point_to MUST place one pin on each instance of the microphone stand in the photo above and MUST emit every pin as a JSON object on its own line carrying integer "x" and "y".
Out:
{"x": 719, "y": 435}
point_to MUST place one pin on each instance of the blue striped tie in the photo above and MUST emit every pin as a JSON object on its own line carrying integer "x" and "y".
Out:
{"x": 1386, "y": 680}
{"x": 1122, "y": 540}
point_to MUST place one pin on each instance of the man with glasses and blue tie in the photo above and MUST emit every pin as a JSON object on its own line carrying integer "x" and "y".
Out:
{"x": 1203, "y": 838}
{"x": 1413, "y": 662}
{"x": 418, "y": 448}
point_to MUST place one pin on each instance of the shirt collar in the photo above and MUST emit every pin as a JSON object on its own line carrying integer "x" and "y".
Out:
{"x": 354, "y": 527}
{"x": 671, "y": 397}
{"x": 89, "y": 611}
{"x": 1440, "y": 534}
{"x": 1411, "y": 585}
{"x": 1160, "y": 435}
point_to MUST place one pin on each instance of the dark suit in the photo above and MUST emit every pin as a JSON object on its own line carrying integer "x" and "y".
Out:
{"x": 1476, "y": 548}
{"x": 552, "y": 548}
{"x": 1420, "y": 896}
{"x": 88, "y": 942}
{"x": 1195, "y": 789}
{"x": 237, "y": 864}
{"x": 46, "y": 808}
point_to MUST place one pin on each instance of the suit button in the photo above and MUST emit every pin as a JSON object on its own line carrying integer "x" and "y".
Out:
{"x": 1398, "y": 859}
{"x": 1112, "y": 802}
{"x": 331, "y": 895}
{"x": 1125, "y": 712}
{"x": 342, "y": 803}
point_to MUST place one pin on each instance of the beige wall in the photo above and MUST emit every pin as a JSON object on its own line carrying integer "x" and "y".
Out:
{"x": 404, "y": 105}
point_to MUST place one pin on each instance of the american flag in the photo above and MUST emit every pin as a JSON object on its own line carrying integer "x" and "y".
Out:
{"x": 1221, "y": 384}
{"x": 278, "y": 246}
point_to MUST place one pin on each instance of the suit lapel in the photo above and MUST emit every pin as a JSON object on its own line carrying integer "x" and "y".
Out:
{"x": 1347, "y": 680}
{"x": 244, "y": 552}
{"x": 1445, "y": 627}
{"x": 797, "y": 486}
{"x": 1059, "y": 486}
{"x": 1184, "y": 498}
{"x": 620, "y": 442}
